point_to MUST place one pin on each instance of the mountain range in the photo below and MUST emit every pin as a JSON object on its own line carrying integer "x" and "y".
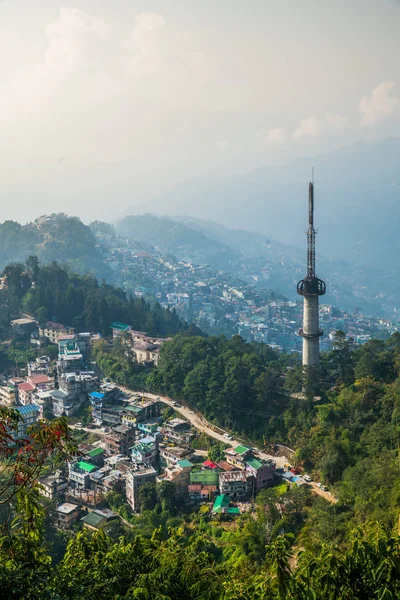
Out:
{"x": 357, "y": 192}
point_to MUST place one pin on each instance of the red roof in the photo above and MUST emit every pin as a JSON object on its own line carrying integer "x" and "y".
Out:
{"x": 210, "y": 464}
{"x": 226, "y": 466}
{"x": 36, "y": 379}
{"x": 26, "y": 387}
{"x": 194, "y": 487}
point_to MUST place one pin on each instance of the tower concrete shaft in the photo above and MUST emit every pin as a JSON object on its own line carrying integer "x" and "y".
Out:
{"x": 311, "y": 288}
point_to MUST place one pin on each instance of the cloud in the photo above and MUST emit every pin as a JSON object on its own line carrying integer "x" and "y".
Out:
{"x": 277, "y": 135}
{"x": 74, "y": 48}
{"x": 222, "y": 145}
{"x": 309, "y": 127}
{"x": 335, "y": 122}
{"x": 379, "y": 105}
{"x": 145, "y": 45}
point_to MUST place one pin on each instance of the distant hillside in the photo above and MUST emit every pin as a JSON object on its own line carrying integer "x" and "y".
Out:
{"x": 182, "y": 240}
{"x": 357, "y": 202}
{"x": 265, "y": 262}
{"x": 56, "y": 237}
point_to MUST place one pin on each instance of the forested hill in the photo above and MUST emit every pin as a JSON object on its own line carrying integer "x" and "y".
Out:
{"x": 50, "y": 292}
{"x": 54, "y": 237}
{"x": 349, "y": 438}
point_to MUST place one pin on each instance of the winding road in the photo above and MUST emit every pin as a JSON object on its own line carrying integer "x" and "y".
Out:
{"x": 201, "y": 424}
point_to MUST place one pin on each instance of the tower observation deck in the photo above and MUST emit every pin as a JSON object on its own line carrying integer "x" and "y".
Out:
{"x": 311, "y": 288}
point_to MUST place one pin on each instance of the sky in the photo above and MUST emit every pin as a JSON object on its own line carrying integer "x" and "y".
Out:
{"x": 103, "y": 105}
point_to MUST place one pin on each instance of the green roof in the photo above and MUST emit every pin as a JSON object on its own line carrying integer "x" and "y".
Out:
{"x": 241, "y": 449}
{"x": 86, "y": 466}
{"x": 94, "y": 520}
{"x": 221, "y": 501}
{"x": 133, "y": 408}
{"x": 254, "y": 463}
{"x": 233, "y": 510}
{"x": 95, "y": 452}
{"x": 121, "y": 326}
{"x": 185, "y": 463}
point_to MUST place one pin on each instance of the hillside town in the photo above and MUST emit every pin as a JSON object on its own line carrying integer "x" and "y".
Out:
{"x": 129, "y": 439}
{"x": 221, "y": 303}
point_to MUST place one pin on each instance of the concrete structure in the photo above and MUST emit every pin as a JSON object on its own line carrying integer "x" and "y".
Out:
{"x": 53, "y": 486}
{"x": 24, "y": 326}
{"x": 135, "y": 478}
{"x": 67, "y": 514}
{"x": 311, "y": 288}
{"x": 262, "y": 471}
{"x": 234, "y": 484}
{"x": 29, "y": 415}
{"x": 120, "y": 439}
{"x": 8, "y": 393}
{"x": 53, "y": 331}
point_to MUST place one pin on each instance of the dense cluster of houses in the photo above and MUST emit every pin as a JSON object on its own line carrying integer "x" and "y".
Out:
{"x": 136, "y": 444}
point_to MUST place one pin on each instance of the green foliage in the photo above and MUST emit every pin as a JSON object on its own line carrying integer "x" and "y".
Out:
{"x": 79, "y": 301}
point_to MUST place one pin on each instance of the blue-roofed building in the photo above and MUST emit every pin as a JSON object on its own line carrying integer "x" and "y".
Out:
{"x": 107, "y": 395}
{"x": 29, "y": 415}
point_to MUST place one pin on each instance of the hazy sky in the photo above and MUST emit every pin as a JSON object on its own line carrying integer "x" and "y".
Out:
{"x": 104, "y": 103}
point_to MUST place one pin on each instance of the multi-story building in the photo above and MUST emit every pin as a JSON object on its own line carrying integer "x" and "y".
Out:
{"x": 29, "y": 415}
{"x": 262, "y": 471}
{"x": 25, "y": 393}
{"x": 179, "y": 475}
{"x": 79, "y": 474}
{"x": 67, "y": 514}
{"x": 8, "y": 393}
{"x": 145, "y": 451}
{"x": 41, "y": 366}
{"x": 237, "y": 456}
{"x": 234, "y": 484}
{"x": 24, "y": 326}
{"x": 120, "y": 439}
{"x": 53, "y": 331}
{"x": 53, "y": 486}
{"x": 173, "y": 454}
{"x": 136, "y": 476}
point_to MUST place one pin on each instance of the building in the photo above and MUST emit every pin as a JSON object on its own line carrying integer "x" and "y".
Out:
{"x": 120, "y": 439}
{"x": 96, "y": 519}
{"x": 63, "y": 404}
{"x": 178, "y": 474}
{"x": 79, "y": 474}
{"x": 263, "y": 472}
{"x": 221, "y": 506}
{"x": 145, "y": 451}
{"x": 96, "y": 456}
{"x": 25, "y": 393}
{"x": 67, "y": 514}
{"x": 53, "y": 486}
{"x": 310, "y": 288}
{"x": 53, "y": 331}
{"x": 41, "y": 366}
{"x": 140, "y": 411}
{"x": 135, "y": 478}
{"x": 177, "y": 425}
{"x": 234, "y": 484}
{"x": 202, "y": 493}
{"x": 204, "y": 476}
{"x": 8, "y": 393}
{"x": 24, "y": 327}
{"x": 118, "y": 328}
{"x": 237, "y": 456}
{"x": 173, "y": 454}
{"x": 78, "y": 383}
{"x": 29, "y": 414}
{"x": 108, "y": 394}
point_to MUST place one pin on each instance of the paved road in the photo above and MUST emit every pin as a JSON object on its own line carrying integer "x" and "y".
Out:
{"x": 201, "y": 424}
